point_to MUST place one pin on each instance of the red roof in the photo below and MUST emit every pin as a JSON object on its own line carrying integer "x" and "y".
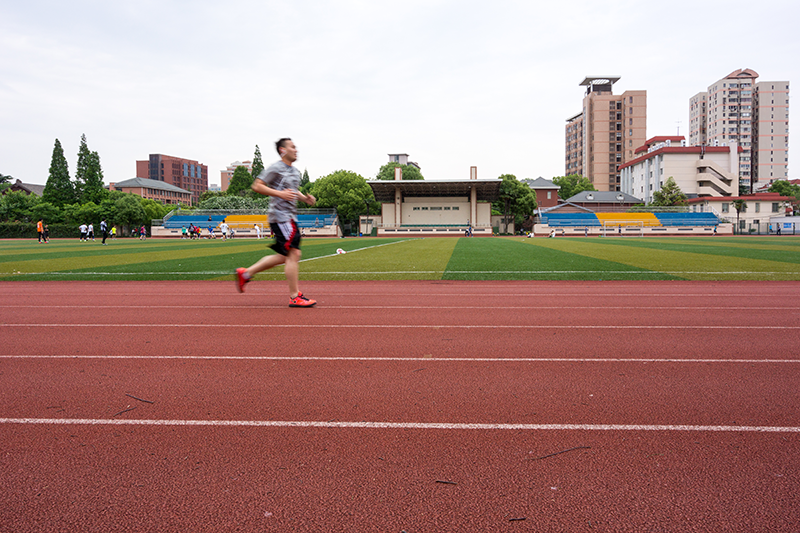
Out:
{"x": 761, "y": 196}
{"x": 680, "y": 150}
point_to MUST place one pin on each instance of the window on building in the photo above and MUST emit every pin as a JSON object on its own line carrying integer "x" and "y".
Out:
{"x": 726, "y": 207}
{"x": 550, "y": 193}
{"x": 775, "y": 207}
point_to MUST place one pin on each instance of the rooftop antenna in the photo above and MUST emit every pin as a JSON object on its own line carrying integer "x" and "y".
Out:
{"x": 679, "y": 127}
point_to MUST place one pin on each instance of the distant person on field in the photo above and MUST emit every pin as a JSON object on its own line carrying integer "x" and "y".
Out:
{"x": 40, "y": 230}
{"x": 281, "y": 182}
{"x": 114, "y": 233}
{"x": 46, "y": 233}
{"x": 183, "y": 232}
{"x": 104, "y": 230}
{"x": 82, "y": 229}
{"x": 258, "y": 231}
{"x": 143, "y": 233}
{"x": 90, "y": 233}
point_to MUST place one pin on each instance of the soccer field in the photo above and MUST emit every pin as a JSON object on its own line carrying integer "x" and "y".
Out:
{"x": 499, "y": 258}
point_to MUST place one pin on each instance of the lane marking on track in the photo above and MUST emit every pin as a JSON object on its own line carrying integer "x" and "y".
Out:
{"x": 416, "y": 360}
{"x": 498, "y": 307}
{"x": 398, "y": 326}
{"x": 398, "y": 425}
{"x": 257, "y": 291}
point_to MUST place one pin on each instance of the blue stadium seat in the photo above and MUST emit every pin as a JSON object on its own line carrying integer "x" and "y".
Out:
{"x": 572, "y": 220}
{"x": 687, "y": 219}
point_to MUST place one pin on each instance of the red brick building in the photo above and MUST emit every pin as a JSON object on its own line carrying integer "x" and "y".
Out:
{"x": 153, "y": 190}
{"x": 182, "y": 173}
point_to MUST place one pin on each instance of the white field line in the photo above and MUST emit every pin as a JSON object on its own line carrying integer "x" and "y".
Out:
{"x": 393, "y": 272}
{"x": 397, "y": 425}
{"x": 415, "y": 360}
{"x": 399, "y": 326}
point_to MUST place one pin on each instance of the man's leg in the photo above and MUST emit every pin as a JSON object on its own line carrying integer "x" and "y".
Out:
{"x": 292, "y": 270}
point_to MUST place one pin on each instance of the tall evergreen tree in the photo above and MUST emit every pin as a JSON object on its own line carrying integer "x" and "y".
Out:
{"x": 59, "y": 190}
{"x": 81, "y": 168}
{"x": 258, "y": 163}
{"x": 93, "y": 190}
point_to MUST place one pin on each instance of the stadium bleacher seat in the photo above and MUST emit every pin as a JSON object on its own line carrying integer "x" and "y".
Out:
{"x": 687, "y": 219}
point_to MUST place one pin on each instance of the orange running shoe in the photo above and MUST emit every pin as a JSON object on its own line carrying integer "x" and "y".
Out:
{"x": 240, "y": 279}
{"x": 301, "y": 301}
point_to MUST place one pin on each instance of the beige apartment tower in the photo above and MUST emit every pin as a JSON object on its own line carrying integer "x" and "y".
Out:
{"x": 754, "y": 115}
{"x": 606, "y": 133}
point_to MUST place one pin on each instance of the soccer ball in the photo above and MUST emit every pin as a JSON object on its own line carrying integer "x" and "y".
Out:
{"x": 340, "y": 251}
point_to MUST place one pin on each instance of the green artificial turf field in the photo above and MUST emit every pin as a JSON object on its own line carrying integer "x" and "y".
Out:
{"x": 498, "y": 258}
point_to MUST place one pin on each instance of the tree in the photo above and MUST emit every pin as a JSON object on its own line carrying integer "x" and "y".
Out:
{"x": 47, "y": 212}
{"x": 741, "y": 206}
{"x": 517, "y": 200}
{"x": 410, "y": 172}
{"x": 93, "y": 189}
{"x": 305, "y": 183}
{"x": 17, "y": 206}
{"x": 240, "y": 182}
{"x": 669, "y": 195}
{"x": 346, "y": 191}
{"x": 129, "y": 211}
{"x": 258, "y": 163}
{"x": 5, "y": 181}
{"x": 572, "y": 185}
{"x": 211, "y": 194}
{"x": 59, "y": 190}
{"x": 234, "y": 202}
{"x": 80, "y": 168}
{"x": 785, "y": 188}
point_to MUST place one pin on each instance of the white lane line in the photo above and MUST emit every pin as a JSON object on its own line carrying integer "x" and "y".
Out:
{"x": 257, "y": 291}
{"x": 398, "y": 425}
{"x": 400, "y": 326}
{"x": 416, "y": 360}
{"x": 412, "y": 307}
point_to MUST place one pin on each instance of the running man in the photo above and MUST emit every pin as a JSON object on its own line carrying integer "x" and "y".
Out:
{"x": 281, "y": 182}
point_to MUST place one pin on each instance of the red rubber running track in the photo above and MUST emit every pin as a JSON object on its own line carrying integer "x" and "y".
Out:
{"x": 400, "y": 406}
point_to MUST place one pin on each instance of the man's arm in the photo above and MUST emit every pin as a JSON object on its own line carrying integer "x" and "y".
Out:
{"x": 261, "y": 188}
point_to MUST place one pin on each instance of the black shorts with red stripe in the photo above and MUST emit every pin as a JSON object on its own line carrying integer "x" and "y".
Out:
{"x": 287, "y": 236}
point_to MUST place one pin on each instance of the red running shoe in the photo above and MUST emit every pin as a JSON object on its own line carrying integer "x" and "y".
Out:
{"x": 301, "y": 301}
{"x": 240, "y": 279}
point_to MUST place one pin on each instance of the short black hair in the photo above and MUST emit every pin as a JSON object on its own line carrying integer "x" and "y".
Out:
{"x": 280, "y": 144}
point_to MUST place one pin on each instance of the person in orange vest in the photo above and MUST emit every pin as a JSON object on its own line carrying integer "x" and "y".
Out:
{"x": 40, "y": 230}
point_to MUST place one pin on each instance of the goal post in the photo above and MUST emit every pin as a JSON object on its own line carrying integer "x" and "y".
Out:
{"x": 622, "y": 228}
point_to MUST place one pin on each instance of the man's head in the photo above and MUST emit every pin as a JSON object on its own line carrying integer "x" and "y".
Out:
{"x": 286, "y": 149}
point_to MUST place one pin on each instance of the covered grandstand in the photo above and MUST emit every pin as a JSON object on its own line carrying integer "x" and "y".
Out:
{"x": 312, "y": 222}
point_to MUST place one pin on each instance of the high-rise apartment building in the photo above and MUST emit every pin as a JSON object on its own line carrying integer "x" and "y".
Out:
{"x": 754, "y": 115}
{"x": 184, "y": 173}
{"x": 606, "y": 133}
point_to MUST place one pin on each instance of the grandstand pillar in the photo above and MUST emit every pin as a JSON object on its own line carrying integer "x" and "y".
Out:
{"x": 398, "y": 202}
{"x": 473, "y": 206}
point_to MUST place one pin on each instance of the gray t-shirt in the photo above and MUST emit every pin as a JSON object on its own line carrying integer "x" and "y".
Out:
{"x": 280, "y": 176}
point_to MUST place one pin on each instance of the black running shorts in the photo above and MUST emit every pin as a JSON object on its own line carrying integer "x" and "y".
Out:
{"x": 287, "y": 236}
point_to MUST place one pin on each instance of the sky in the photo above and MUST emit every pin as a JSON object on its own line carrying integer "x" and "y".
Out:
{"x": 453, "y": 84}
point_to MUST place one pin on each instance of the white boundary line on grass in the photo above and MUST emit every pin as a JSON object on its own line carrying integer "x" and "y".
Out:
{"x": 393, "y": 272}
{"x": 396, "y": 425}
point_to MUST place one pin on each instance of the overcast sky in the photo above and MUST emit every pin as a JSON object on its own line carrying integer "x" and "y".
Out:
{"x": 451, "y": 83}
